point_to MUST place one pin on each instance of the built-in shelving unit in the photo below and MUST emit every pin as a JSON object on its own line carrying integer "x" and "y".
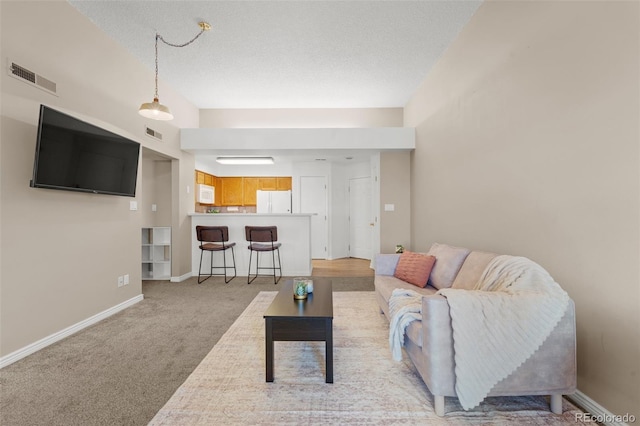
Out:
{"x": 156, "y": 253}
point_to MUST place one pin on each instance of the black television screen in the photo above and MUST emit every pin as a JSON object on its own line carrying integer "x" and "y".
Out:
{"x": 77, "y": 156}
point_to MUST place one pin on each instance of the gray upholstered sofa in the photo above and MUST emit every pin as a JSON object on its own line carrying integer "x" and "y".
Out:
{"x": 551, "y": 370}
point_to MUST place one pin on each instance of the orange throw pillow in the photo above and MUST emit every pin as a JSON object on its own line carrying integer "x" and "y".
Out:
{"x": 414, "y": 268}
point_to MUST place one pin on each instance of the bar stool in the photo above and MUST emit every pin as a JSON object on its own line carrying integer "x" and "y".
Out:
{"x": 263, "y": 239}
{"x": 212, "y": 239}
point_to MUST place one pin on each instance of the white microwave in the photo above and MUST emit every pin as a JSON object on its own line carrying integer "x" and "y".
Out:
{"x": 205, "y": 194}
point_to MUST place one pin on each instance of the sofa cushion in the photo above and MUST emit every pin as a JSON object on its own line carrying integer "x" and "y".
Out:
{"x": 414, "y": 268}
{"x": 448, "y": 262}
{"x": 472, "y": 269}
{"x": 385, "y": 285}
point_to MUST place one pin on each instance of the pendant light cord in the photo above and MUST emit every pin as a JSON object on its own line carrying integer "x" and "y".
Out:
{"x": 204, "y": 27}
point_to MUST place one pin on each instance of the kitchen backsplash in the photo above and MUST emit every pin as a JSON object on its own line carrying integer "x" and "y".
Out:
{"x": 225, "y": 209}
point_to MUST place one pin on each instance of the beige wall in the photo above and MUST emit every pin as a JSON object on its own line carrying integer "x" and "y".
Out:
{"x": 528, "y": 144}
{"x": 395, "y": 226}
{"x": 156, "y": 189}
{"x": 63, "y": 251}
{"x": 301, "y": 118}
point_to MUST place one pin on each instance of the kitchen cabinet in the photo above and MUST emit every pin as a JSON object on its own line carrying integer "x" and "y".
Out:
{"x": 276, "y": 183}
{"x": 283, "y": 183}
{"x": 218, "y": 186}
{"x": 267, "y": 184}
{"x": 240, "y": 190}
{"x": 232, "y": 191}
{"x": 249, "y": 187}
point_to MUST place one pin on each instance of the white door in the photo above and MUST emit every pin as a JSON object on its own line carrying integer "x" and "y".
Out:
{"x": 360, "y": 222}
{"x": 313, "y": 199}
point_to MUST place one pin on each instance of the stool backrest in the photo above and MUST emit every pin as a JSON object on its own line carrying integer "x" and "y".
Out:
{"x": 261, "y": 234}
{"x": 212, "y": 234}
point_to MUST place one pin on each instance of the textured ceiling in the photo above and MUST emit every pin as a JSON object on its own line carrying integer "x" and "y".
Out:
{"x": 287, "y": 54}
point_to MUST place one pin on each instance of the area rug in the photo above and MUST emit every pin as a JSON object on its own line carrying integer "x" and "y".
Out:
{"x": 229, "y": 388}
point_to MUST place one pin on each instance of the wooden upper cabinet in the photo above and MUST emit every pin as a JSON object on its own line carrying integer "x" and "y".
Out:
{"x": 249, "y": 187}
{"x": 241, "y": 191}
{"x": 267, "y": 183}
{"x": 283, "y": 183}
{"x": 232, "y": 191}
{"x": 205, "y": 178}
{"x": 218, "y": 194}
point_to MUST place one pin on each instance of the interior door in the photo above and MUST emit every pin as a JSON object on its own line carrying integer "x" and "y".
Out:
{"x": 360, "y": 222}
{"x": 313, "y": 199}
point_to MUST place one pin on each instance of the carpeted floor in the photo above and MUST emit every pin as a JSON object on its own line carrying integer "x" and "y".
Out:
{"x": 229, "y": 388}
{"x": 122, "y": 370}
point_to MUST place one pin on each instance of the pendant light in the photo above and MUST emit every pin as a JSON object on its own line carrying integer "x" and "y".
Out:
{"x": 155, "y": 110}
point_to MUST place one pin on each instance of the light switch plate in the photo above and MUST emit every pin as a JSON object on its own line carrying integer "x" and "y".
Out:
{"x": 389, "y": 207}
{"x": 133, "y": 205}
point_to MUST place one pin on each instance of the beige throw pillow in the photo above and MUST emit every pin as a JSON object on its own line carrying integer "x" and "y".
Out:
{"x": 449, "y": 260}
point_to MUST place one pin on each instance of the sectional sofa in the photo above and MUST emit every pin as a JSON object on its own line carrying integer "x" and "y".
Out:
{"x": 429, "y": 341}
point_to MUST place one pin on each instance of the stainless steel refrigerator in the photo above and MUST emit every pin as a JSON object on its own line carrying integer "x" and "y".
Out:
{"x": 273, "y": 202}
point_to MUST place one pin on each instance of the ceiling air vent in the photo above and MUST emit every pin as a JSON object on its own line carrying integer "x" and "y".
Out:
{"x": 30, "y": 77}
{"x": 154, "y": 134}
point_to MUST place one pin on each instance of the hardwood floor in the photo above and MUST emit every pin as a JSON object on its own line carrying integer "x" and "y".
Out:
{"x": 346, "y": 267}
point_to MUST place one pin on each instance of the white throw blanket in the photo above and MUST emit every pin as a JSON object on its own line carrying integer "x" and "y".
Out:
{"x": 405, "y": 306}
{"x": 499, "y": 324}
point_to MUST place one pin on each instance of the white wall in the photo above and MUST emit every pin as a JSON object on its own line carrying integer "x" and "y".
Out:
{"x": 63, "y": 251}
{"x": 208, "y": 164}
{"x": 311, "y": 134}
{"x": 528, "y": 144}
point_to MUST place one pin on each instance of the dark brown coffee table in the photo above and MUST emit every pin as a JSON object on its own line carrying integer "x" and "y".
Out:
{"x": 288, "y": 319}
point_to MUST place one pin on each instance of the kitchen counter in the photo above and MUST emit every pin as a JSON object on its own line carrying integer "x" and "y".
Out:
{"x": 294, "y": 232}
{"x": 253, "y": 214}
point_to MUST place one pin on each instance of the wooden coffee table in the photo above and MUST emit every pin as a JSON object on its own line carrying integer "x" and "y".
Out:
{"x": 288, "y": 319}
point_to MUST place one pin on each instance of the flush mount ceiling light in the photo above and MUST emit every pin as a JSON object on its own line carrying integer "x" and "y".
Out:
{"x": 245, "y": 160}
{"x": 155, "y": 110}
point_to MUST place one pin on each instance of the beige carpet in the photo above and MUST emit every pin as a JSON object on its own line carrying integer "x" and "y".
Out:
{"x": 229, "y": 388}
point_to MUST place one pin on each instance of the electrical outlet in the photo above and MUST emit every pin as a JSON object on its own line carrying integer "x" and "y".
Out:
{"x": 120, "y": 281}
{"x": 126, "y": 279}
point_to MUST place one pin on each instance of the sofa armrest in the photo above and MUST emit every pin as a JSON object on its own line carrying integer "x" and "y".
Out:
{"x": 437, "y": 345}
{"x": 386, "y": 263}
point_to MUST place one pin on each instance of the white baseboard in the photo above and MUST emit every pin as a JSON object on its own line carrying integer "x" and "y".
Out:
{"x": 182, "y": 277}
{"x": 597, "y": 413}
{"x": 55, "y": 337}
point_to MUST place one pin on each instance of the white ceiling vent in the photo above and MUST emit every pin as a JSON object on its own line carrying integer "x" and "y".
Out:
{"x": 154, "y": 134}
{"x": 30, "y": 77}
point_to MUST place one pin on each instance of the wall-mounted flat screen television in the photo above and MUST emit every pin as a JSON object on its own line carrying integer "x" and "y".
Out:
{"x": 77, "y": 156}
